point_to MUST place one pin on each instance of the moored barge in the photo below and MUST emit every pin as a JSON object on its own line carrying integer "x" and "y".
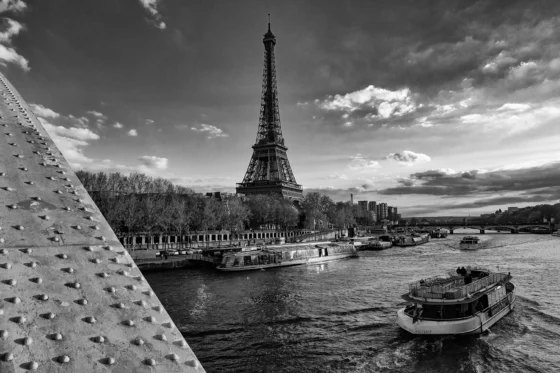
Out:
{"x": 468, "y": 302}
{"x": 285, "y": 255}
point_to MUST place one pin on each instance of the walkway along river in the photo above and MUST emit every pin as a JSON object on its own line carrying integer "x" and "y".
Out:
{"x": 340, "y": 316}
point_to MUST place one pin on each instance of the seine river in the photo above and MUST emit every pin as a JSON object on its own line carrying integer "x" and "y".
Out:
{"x": 340, "y": 316}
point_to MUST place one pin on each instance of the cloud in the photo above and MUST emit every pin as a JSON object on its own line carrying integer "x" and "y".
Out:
{"x": 43, "y": 112}
{"x": 149, "y": 121}
{"x": 542, "y": 180}
{"x": 151, "y": 7}
{"x": 12, "y": 6}
{"x": 210, "y": 130}
{"x": 118, "y": 125}
{"x": 408, "y": 158}
{"x": 154, "y": 162}
{"x": 8, "y": 29}
{"x": 132, "y": 132}
{"x": 337, "y": 177}
{"x": 358, "y": 162}
{"x": 9, "y": 55}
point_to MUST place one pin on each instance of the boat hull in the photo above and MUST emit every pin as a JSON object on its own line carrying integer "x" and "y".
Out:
{"x": 476, "y": 324}
{"x": 469, "y": 246}
{"x": 295, "y": 262}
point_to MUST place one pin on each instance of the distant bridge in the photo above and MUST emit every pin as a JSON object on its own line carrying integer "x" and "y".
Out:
{"x": 513, "y": 228}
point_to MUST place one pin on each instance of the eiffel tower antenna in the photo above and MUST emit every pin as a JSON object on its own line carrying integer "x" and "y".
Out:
{"x": 269, "y": 170}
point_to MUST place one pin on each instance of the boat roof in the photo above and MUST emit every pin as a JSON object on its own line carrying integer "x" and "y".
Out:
{"x": 288, "y": 247}
{"x": 439, "y": 288}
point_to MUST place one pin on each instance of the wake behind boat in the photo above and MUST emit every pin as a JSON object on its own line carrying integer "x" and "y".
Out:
{"x": 285, "y": 255}
{"x": 467, "y": 302}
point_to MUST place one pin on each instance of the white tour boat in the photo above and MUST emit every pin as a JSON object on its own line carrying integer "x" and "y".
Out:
{"x": 469, "y": 243}
{"x": 285, "y": 255}
{"x": 458, "y": 304}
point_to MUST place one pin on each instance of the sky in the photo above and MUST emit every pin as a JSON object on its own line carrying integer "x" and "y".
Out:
{"x": 436, "y": 107}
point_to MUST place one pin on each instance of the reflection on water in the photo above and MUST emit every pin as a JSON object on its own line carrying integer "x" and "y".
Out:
{"x": 340, "y": 316}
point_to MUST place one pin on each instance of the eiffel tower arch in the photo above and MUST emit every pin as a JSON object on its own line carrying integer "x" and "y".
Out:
{"x": 269, "y": 170}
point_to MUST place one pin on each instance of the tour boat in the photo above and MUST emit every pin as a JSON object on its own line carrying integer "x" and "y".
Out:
{"x": 556, "y": 234}
{"x": 286, "y": 255}
{"x": 469, "y": 243}
{"x": 458, "y": 304}
{"x": 412, "y": 240}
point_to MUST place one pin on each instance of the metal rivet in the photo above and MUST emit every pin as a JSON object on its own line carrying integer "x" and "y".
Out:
{"x": 89, "y": 217}
{"x": 109, "y": 361}
{"x": 138, "y": 342}
{"x": 62, "y": 256}
{"x": 98, "y": 339}
{"x": 32, "y": 264}
{"x": 82, "y": 302}
{"x": 140, "y": 303}
{"x": 20, "y": 228}
{"x": 26, "y": 251}
{"x": 20, "y": 319}
{"x": 96, "y": 227}
{"x": 79, "y": 227}
{"x": 66, "y": 208}
{"x": 103, "y": 275}
{"x": 46, "y": 217}
{"x": 110, "y": 248}
{"x": 111, "y": 289}
{"x": 167, "y": 324}
{"x": 50, "y": 178}
{"x": 56, "y": 336}
{"x": 14, "y": 300}
{"x": 8, "y": 356}
{"x": 6, "y": 265}
{"x": 58, "y": 191}
{"x": 102, "y": 238}
{"x": 11, "y": 282}
{"x": 88, "y": 248}
{"x": 128, "y": 322}
{"x": 43, "y": 297}
{"x": 56, "y": 239}
{"x": 3, "y": 251}
{"x": 37, "y": 280}
{"x": 122, "y": 272}
{"x": 158, "y": 309}
{"x": 180, "y": 343}
{"x": 37, "y": 198}
{"x": 148, "y": 293}
{"x": 173, "y": 357}
{"x": 150, "y": 319}
{"x": 96, "y": 261}
{"x": 68, "y": 270}
{"x": 74, "y": 285}
{"x": 13, "y": 206}
{"x": 131, "y": 287}
{"x": 63, "y": 359}
{"x": 48, "y": 315}
{"x": 23, "y": 168}
{"x": 119, "y": 305}
{"x": 150, "y": 362}
{"x": 90, "y": 319}
{"x": 4, "y": 334}
{"x": 139, "y": 278}
{"x": 27, "y": 341}
{"x": 192, "y": 363}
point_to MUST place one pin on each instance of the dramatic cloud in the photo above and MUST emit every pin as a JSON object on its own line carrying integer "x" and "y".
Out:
{"x": 9, "y": 55}
{"x": 151, "y": 7}
{"x": 408, "y": 158}
{"x": 118, "y": 125}
{"x": 149, "y": 121}
{"x": 524, "y": 183}
{"x": 358, "y": 162}
{"x": 154, "y": 162}
{"x": 132, "y": 133}
{"x": 43, "y": 112}
{"x": 210, "y": 130}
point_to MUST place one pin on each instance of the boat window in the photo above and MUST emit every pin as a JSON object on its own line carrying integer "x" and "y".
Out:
{"x": 236, "y": 262}
{"x": 326, "y": 252}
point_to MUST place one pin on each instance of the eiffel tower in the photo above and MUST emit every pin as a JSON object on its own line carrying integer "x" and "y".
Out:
{"x": 269, "y": 170}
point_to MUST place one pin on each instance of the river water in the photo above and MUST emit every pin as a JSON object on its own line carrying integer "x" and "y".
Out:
{"x": 340, "y": 316}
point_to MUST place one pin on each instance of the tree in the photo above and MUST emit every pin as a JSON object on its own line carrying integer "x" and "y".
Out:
{"x": 235, "y": 215}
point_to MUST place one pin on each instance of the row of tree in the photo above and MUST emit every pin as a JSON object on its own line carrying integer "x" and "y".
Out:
{"x": 140, "y": 204}
{"x": 530, "y": 214}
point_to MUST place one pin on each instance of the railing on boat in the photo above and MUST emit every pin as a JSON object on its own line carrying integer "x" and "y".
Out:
{"x": 439, "y": 287}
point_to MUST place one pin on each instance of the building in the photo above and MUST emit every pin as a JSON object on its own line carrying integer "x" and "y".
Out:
{"x": 363, "y": 205}
{"x": 372, "y": 206}
{"x": 390, "y": 213}
{"x": 269, "y": 171}
{"x": 395, "y": 213}
{"x": 383, "y": 213}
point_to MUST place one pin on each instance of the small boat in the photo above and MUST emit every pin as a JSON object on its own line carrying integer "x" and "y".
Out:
{"x": 556, "y": 234}
{"x": 285, "y": 255}
{"x": 469, "y": 243}
{"x": 413, "y": 239}
{"x": 378, "y": 243}
{"x": 539, "y": 230}
{"x": 458, "y": 304}
{"x": 439, "y": 233}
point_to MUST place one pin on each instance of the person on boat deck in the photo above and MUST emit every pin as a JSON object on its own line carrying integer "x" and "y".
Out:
{"x": 468, "y": 278}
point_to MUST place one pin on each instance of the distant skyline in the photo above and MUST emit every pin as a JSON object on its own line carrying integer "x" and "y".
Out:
{"x": 437, "y": 107}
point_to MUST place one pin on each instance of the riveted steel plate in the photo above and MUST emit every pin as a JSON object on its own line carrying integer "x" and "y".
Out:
{"x": 71, "y": 297}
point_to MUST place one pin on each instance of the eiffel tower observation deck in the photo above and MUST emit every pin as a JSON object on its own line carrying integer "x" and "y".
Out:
{"x": 269, "y": 170}
{"x": 73, "y": 300}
